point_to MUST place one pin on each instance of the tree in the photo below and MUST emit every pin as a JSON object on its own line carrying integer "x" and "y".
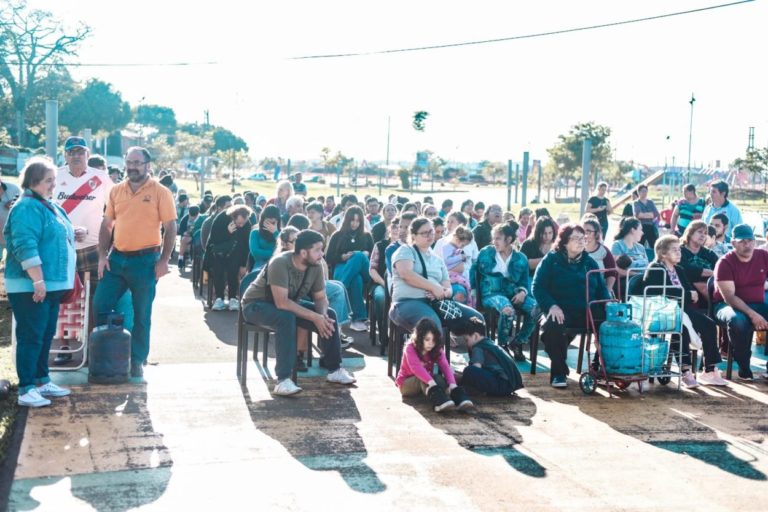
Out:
{"x": 225, "y": 140}
{"x": 565, "y": 156}
{"x": 31, "y": 41}
{"x": 755, "y": 161}
{"x": 97, "y": 107}
{"x": 233, "y": 159}
{"x": 158, "y": 116}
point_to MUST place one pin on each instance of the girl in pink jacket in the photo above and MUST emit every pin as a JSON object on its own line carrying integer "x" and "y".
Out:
{"x": 423, "y": 350}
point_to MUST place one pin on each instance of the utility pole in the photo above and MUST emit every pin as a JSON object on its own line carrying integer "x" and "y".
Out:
{"x": 509, "y": 185}
{"x": 690, "y": 137}
{"x": 203, "y": 158}
{"x": 525, "y": 179}
{"x": 51, "y": 128}
{"x": 586, "y": 162}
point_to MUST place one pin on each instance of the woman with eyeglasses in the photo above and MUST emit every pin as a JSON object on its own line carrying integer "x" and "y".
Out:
{"x": 412, "y": 292}
{"x": 667, "y": 271}
{"x": 560, "y": 289}
{"x": 348, "y": 254}
{"x": 593, "y": 236}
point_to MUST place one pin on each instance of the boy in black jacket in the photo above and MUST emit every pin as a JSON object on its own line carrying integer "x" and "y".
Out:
{"x": 491, "y": 369}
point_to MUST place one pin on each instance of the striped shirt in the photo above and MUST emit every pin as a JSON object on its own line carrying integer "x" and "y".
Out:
{"x": 688, "y": 212}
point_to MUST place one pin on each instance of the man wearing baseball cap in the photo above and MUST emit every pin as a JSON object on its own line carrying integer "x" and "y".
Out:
{"x": 82, "y": 192}
{"x": 740, "y": 294}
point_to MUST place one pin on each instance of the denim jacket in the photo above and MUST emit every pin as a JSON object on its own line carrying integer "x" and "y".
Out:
{"x": 39, "y": 233}
{"x": 494, "y": 283}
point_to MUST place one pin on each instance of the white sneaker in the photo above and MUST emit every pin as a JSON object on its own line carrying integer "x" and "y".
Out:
{"x": 286, "y": 387}
{"x": 689, "y": 379}
{"x": 358, "y": 326}
{"x": 341, "y": 376}
{"x": 51, "y": 389}
{"x": 712, "y": 378}
{"x": 219, "y": 305}
{"x": 32, "y": 398}
{"x": 234, "y": 305}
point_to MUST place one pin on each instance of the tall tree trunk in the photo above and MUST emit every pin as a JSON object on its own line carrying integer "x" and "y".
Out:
{"x": 21, "y": 131}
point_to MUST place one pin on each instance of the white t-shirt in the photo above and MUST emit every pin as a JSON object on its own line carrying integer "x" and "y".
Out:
{"x": 83, "y": 199}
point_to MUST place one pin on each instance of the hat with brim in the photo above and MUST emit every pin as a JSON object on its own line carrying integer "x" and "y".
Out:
{"x": 742, "y": 232}
{"x": 75, "y": 142}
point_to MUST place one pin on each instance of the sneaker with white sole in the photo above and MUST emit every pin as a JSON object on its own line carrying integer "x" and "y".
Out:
{"x": 286, "y": 387}
{"x": 341, "y": 376}
{"x": 359, "y": 326}
{"x": 32, "y": 398}
{"x": 219, "y": 305}
{"x": 234, "y": 305}
{"x": 689, "y": 379}
{"x": 346, "y": 341}
{"x": 712, "y": 378}
{"x": 51, "y": 389}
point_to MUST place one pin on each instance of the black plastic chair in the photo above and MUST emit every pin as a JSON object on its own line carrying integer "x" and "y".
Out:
{"x": 245, "y": 328}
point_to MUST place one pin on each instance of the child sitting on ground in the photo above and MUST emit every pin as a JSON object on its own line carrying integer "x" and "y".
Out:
{"x": 491, "y": 370}
{"x": 424, "y": 349}
{"x": 455, "y": 260}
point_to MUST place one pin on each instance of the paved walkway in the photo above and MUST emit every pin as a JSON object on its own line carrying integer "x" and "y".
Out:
{"x": 193, "y": 439}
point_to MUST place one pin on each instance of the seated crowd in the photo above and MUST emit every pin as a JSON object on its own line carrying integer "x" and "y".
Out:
{"x": 436, "y": 272}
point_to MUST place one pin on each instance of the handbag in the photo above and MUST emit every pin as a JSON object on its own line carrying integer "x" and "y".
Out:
{"x": 73, "y": 295}
{"x": 446, "y": 309}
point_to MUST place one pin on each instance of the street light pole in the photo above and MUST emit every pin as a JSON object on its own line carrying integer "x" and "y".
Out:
{"x": 690, "y": 137}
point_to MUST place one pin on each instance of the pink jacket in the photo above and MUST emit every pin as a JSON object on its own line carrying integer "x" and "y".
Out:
{"x": 421, "y": 366}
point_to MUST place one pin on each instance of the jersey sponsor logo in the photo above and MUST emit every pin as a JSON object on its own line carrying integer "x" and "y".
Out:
{"x": 74, "y": 199}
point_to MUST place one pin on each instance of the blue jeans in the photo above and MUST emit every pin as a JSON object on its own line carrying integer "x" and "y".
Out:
{"x": 379, "y": 302}
{"x": 136, "y": 274}
{"x": 506, "y": 322}
{"x": 338, "y": 300}
{"x": 740, "y": 329}
{"x": 283, "y": 323}
{"x": 407, "y": 313}
{"x": 354, "y": 274}
{"x": 35, "y": 328}
{"x": 125, "y": 307}
{"x": 486, "y": 381}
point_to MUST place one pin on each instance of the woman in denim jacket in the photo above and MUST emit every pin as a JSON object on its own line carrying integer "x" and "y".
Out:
{"x": 505, "y": 286}
{"x": 40, "y": 269}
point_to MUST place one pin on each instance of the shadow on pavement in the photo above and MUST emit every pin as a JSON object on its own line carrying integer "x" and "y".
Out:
{"x": 319, "y": 430}
{"x": 492, "y": 432}
{"x": 684, "y": 422}
{"x": 135, "y": 447}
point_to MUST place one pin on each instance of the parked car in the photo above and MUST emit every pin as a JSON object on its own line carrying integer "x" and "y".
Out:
{"x": 259, "y": 176}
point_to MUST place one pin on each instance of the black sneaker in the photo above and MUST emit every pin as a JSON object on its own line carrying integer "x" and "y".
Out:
{"x": 137, "y": 370}
{"x": 517, "y": 352}
{"x": 461, "y": 400}
{"x": 439, "y": 399}
{"x": 346, "y": 341}
{"x": 746, "y": 374}
{"x": 62, "y": 358}
{"x": 301, "y": 365}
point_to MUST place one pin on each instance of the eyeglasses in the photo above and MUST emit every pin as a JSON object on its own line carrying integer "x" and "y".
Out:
{"x": 135, "y": 163}
{"x": 576, "y": 239}
{"x": 76, "y": 152}
{"x": 427, "y": 234}
{"x": 590, "y": 231}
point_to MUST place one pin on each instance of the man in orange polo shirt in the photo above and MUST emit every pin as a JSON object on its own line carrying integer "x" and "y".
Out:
{"x": 136, "y": 209}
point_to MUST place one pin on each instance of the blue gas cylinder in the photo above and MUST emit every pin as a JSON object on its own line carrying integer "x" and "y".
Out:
{"x": 109, "y": 357}
{"x": 621, "y": 340}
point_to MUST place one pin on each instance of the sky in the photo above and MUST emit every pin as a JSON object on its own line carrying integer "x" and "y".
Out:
{"x": 486, "y": 102}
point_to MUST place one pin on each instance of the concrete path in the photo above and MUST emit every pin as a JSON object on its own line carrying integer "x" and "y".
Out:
{"x": 193, "y": 439}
